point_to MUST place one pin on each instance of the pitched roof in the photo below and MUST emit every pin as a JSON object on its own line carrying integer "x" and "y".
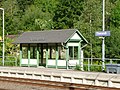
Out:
{"x": 11, "y": 36}
{"x": 48, "y": 36}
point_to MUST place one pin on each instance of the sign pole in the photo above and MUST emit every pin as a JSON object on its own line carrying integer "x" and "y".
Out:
{"x": 3, "y": 49}
{"x": 103, "y": 39}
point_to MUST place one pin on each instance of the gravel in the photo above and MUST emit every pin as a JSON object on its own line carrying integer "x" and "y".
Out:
{"x": 18, "y": 86}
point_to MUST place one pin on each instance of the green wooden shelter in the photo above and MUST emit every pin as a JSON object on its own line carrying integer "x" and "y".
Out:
{"x": 51, "y": 48}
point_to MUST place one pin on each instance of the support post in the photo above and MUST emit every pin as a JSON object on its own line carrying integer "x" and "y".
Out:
{"x": 28, "y": 55}
{"x": 79, "y": 52}
{"x": 67, "y": 57}
{"x": 46, "y": 55}
{"x": 37, "y": 55}
{"x": 80, "y": 56}
{"x": 57, "y": 56}
{"x": 88, "y": 64}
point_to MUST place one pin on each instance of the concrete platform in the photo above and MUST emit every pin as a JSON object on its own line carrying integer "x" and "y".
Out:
{"x": 62, "y": 75}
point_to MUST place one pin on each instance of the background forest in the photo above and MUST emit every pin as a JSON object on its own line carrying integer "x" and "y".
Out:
{"x": 84, "y": 15}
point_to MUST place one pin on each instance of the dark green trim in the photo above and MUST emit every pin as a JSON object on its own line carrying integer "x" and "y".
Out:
{"x": 60, "y": 67}
{"x": 28, "y": 55}
{"x": 81, "y": 36}
{"x": 74, "y": 40}
{"x": 46, "y": 55}
{"x": 29, "y": 65}
{"x": 20, "y": 54}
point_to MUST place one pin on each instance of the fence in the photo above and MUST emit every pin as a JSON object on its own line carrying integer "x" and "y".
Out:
{"x": 95, "y": 64}
{"x": 9, "y": 61}
{"x": 89, "y": 64}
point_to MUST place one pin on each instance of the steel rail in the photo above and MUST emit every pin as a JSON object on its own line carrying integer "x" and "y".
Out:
{"x": 54, "y": 84}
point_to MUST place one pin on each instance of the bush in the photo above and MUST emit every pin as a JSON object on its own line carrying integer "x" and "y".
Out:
{"x": 78, "y": 67}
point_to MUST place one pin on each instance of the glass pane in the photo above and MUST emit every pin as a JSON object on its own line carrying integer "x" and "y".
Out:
{"x": 24, "y": 52}
{"x": 33, "y": 52}
{"x": 62, "y": 53}
{"x": 75, "y": 52}
{"x": 70, "y": 53}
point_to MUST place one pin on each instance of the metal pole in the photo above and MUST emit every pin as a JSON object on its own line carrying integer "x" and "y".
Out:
{"x": 90, "y": 39}
{"x": 3, "y": 55}
{"x": 103, "y": 39}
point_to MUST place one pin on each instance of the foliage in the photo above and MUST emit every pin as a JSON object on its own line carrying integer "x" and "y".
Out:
{"x": 115, "y": 15}
{"x": 88, "y": 24}
{"x": 23, "y": 4}
{"x": 67, "y": 13}
{"x": 78, "y": 67}
{"x": 11, "y": 49}
{"x": 112, "y": 42}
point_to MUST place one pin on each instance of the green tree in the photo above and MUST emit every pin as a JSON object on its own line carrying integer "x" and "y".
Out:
{"x": 12, "y": 18}
{"x": 39, "y": 16}
{"x": 23, "y": 4}
{"x": 91, "y": 21}
{"x": 47, "y": 9}
{"x": 112, "y": 42}
{"x": 21, "y": 15}
{"x": 67, "y": 13}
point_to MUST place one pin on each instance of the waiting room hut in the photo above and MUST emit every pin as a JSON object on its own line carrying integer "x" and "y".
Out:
{"x": 51, "y": 48}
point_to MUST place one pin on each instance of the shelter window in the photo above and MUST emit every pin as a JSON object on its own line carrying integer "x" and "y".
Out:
{"x": 33, "y": 52}
{"x": 73, "y": 52}
{"x": 25, "y": 52}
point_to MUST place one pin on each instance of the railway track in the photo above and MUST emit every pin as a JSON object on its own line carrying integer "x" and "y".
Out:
{"x": 52, "y": 84}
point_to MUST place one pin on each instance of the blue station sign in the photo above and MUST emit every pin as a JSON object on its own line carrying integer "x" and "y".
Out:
{"x": 102, "y": 33}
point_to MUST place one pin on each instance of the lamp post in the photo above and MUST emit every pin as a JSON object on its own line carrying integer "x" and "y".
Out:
{"x": 103, "y": 39}
{"x": 3, "y": 55}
